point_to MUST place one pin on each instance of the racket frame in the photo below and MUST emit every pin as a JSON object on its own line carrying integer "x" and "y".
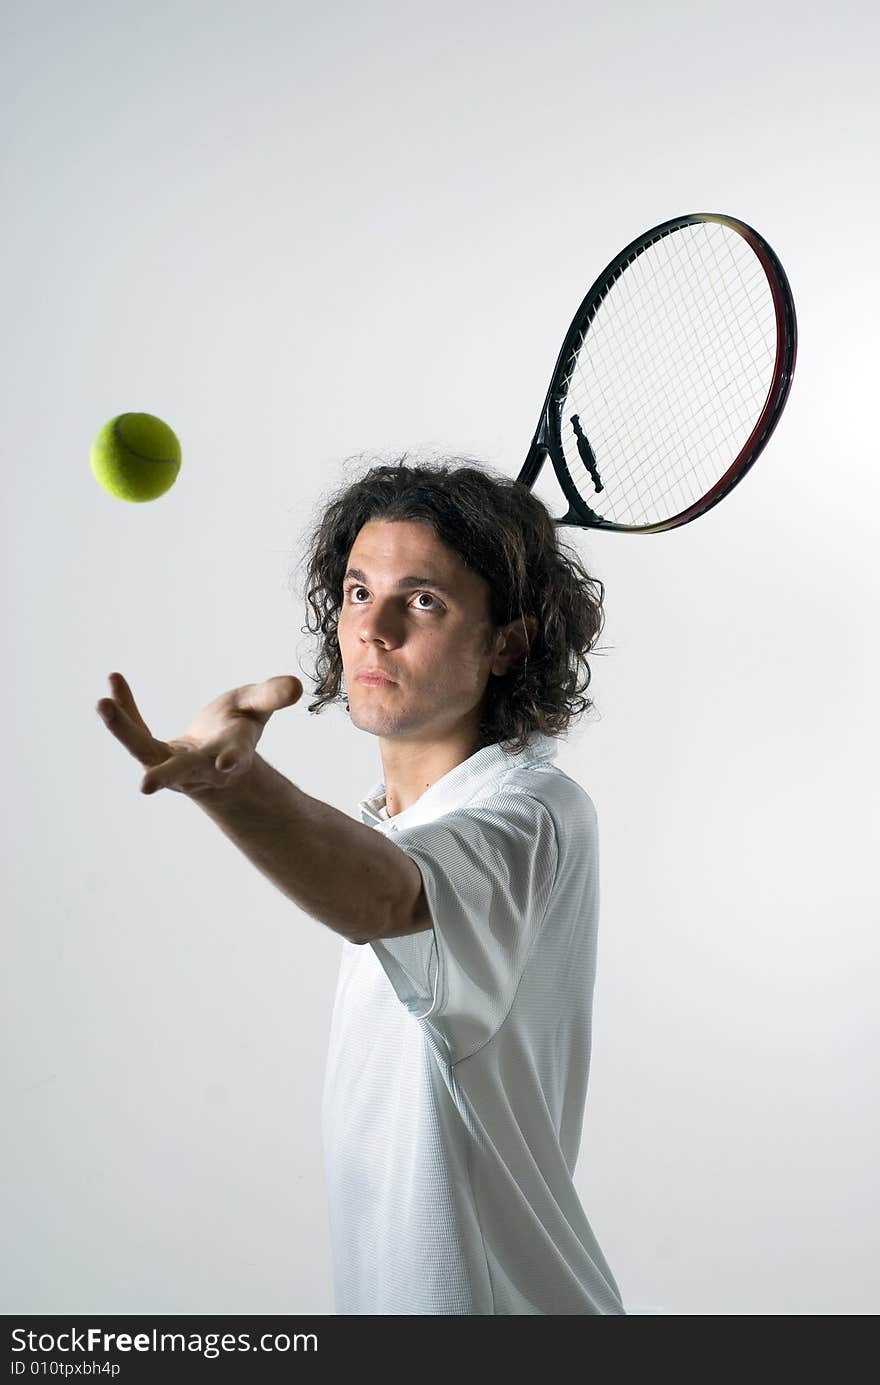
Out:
{"x": 547, "y": 440}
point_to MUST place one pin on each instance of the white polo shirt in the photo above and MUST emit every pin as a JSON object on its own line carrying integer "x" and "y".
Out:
{"x": 458, "y": 1057}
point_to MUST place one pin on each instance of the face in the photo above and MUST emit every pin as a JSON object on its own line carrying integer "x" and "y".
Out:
{"x": 429, "y": 635}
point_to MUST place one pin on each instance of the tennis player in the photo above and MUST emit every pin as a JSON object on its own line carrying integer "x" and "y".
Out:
{"x": 455, "y": 627}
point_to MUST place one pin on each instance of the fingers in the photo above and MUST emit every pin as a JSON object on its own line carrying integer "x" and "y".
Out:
{"x": 124, "y": 721}
{"x": 166, "y": 775}
{"x": 122, "y": 700}
{"x": 124, "y": 696}
{"x": 120, "y": 723}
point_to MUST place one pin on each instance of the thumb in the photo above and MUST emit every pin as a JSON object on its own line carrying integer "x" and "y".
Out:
{"x": 281, "y": 691}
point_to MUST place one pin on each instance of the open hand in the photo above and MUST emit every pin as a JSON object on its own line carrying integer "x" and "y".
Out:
{"x": 215, "y": 750}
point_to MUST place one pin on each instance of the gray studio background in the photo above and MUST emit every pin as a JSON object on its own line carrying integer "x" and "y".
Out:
{"x": 298, "y": 235}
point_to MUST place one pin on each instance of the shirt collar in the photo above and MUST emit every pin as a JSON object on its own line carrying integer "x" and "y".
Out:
{"x": 459, "y": 785}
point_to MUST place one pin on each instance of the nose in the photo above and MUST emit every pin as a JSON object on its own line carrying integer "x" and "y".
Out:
{"x": 379, "y": 622}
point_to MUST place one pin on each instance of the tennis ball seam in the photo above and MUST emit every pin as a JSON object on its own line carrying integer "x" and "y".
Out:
{"x": 141, "y": 456}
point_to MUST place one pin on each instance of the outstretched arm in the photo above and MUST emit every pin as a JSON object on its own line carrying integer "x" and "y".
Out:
{"x": 339, "y": 871}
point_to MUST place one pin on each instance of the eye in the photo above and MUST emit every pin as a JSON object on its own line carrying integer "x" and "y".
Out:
{"x": 352, "y": 591}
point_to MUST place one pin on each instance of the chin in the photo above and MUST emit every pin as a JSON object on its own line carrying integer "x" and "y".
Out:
{"x": 375, "y": 721}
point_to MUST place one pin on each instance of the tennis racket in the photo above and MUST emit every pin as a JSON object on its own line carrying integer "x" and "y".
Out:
{"x": 671, "y": 378}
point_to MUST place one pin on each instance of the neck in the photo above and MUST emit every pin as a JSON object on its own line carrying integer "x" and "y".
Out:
{"x": 409, "y": 768}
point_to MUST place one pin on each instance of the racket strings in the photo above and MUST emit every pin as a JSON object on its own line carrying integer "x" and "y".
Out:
{"x": 657, "y": 396}
{"x": 663, "y": 397}
{"x": 671, "y": 374}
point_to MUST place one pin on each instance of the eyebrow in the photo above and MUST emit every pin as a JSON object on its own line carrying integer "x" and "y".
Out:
{"x": 358, "y": 576}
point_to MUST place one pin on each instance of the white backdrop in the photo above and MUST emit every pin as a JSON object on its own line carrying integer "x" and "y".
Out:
{"x": 298, "y": 233}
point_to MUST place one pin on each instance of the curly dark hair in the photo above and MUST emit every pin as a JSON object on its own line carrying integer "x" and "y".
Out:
{"x": 503, "y": 532}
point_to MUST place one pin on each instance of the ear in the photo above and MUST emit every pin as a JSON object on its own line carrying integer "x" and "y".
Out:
{"x": 512, "y": 643}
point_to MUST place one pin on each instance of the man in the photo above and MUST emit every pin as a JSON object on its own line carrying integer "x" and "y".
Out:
{"x": 466, "y": 897}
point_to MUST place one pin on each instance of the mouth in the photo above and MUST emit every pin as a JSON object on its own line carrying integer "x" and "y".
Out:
{"x": 373, "y": 679}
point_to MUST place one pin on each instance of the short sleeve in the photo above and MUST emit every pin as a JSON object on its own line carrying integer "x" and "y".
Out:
{"x": 488, "y": 873}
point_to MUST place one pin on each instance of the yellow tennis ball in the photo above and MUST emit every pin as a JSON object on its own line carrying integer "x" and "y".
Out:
{"x": 136, "y": 457}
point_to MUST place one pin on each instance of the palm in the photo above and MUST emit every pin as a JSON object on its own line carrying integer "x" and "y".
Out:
{"x": 216, "y": 748}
